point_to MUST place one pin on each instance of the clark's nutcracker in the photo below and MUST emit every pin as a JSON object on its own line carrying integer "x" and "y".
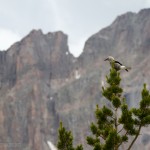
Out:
{"x": 116, "y": 64}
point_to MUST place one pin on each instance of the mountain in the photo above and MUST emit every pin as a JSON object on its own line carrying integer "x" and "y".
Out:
{"x": 42, "y": 83}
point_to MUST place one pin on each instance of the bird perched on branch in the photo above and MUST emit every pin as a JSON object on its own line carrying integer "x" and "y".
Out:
{"x": 116, "y": 64}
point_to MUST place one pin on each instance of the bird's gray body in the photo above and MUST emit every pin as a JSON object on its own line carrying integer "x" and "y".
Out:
{"x": 115, "y": 65}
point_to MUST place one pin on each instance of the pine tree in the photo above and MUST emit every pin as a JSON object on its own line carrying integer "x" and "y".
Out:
{"x": 114, "y": 125}
{"x": 66, "y": 140}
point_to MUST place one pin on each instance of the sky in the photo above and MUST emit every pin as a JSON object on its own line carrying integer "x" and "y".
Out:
{"x": 79, "y": 19}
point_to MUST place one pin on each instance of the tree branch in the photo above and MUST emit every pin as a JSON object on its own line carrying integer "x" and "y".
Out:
{"x": 120, "y": 130}
{"x": 116, "y": 125}
{"x": 135, "y": 138}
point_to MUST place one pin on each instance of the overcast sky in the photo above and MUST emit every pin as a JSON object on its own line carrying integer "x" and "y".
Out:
{"x": 77, "y": 18}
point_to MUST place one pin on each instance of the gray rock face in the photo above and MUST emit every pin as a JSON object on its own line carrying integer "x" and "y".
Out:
{"x": 30, "y": 71}
{"x": 41, "y": 83}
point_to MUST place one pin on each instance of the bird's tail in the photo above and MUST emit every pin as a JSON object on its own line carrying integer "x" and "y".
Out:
{"x": 127, "y": 68}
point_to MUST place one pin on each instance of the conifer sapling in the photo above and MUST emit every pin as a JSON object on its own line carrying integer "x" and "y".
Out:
{"x": 114, "y": 125}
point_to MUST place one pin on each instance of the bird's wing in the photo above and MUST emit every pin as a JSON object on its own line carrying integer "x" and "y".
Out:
{"x": 118, "y": 62}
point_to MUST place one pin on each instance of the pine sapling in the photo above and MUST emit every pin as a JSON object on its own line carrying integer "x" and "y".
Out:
{"x": 116, "y": 123}
{"x": 65, "y": 140}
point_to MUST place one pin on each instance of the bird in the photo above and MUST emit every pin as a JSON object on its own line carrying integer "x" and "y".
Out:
{"x": 116, "y": 64}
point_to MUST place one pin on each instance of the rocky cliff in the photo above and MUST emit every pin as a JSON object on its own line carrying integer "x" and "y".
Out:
{"x": 42, "y": 83}
{"x": 30, "y": 71}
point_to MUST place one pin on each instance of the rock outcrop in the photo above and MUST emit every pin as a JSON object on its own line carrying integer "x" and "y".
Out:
{"x": 42, "y": 83}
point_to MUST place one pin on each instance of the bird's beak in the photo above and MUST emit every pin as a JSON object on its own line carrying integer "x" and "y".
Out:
{"x": 105, "y": 59}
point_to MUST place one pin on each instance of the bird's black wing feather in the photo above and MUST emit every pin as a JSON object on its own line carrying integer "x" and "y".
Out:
{"x": 118, "y": 62}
